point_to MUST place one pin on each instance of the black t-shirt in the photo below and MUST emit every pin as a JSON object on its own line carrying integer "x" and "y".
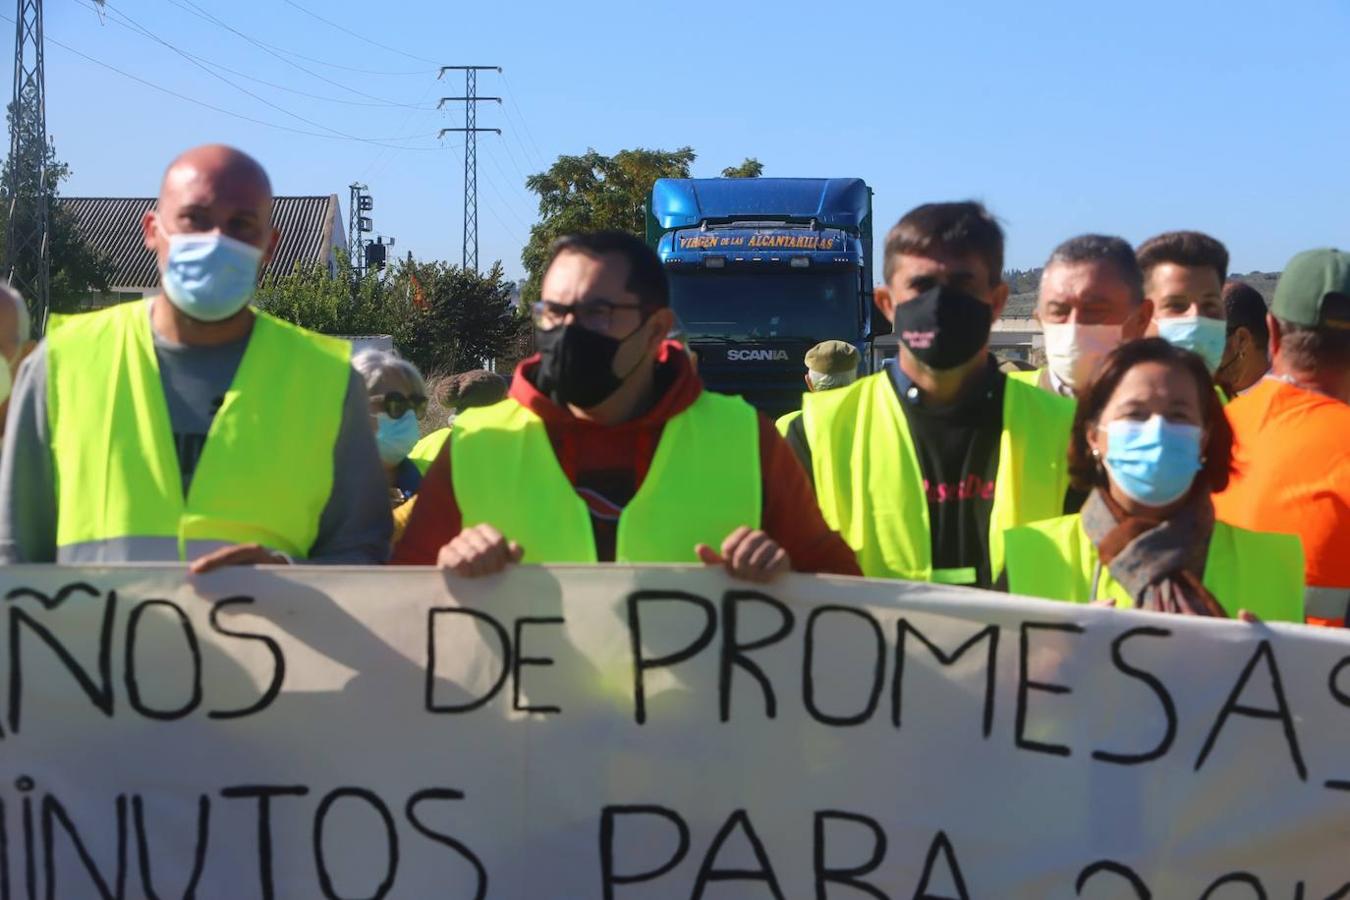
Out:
{"x": 958, "y": 450}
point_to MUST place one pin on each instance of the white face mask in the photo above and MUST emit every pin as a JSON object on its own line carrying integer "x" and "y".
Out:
{"x": 1075, "y": 352}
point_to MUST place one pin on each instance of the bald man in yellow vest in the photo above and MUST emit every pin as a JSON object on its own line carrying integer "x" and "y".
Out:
{"x": 189, "y": 427}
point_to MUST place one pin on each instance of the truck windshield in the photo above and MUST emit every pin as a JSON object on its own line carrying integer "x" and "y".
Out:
{"x": 767, "y": 303}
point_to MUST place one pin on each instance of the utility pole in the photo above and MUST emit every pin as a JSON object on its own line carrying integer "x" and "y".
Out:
{"x": 360, "y": 224}
{"x": 27, "y": 249}
{"x": 470, "y": 129}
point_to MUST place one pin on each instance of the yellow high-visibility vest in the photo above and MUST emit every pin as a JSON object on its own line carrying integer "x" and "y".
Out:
{"x": 870, "y": 485}
{"x": 1261, "y": 572}
{"x": 784, "y": 422}
{"x": 704, "y": 483}
{"x": 265, "y": 472}
{"x": 425, "y": 451}
{"x": 1031, "y": 376}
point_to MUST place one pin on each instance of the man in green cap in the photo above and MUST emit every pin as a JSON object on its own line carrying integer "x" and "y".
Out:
{"x": 829, "y": 365}
{"x": 1291, "y": 460}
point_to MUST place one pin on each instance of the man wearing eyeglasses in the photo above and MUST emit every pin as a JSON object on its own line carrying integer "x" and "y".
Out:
{"x": 188, "y": 426}
{"x": 608, "y": 449}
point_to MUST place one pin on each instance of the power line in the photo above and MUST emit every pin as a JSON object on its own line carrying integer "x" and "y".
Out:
{"x": 519, "y": 171}
{"x": 384, "y": 155}
{"x": 529, "y": 133}
{"x": 505, "y": 203}
{"x": 510, "y": 231}
{"x": 283, "y": 55}
{"x": 263, "y": 100}
{"x": 518, "y": 124}
{"x": 289, "y": 53}
{"x": 382, "y": 142}
{"x": 507, "y": 178}
{"x": 345, "y": 30}
{"x": 132, "y": 25}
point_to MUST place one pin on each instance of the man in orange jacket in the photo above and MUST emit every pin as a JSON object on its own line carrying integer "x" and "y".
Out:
{"x": 621, "y": 414}
{"x": 1291, "y": 459}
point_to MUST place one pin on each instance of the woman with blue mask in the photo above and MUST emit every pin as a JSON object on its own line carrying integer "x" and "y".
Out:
{"x": 398, "y": 400}
{"x": 1150, "y": 445}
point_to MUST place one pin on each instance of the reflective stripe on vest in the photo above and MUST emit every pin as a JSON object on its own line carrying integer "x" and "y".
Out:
{"x": 870, "y": 485}
{"x": 1326, "y": 605}
{"x": 704, "y": 483}
{"x": 265, "y": 472}
{"x": 1260, "y": 572}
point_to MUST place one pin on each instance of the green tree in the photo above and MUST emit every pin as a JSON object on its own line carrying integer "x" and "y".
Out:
{"x": 751, "y": 168}
{"x": 444, "y": 318}
{"x": 312, "y": 298}
{"x": 75, "y": 267}
{"x": 460, "y": 318}
{"x": 592, "y": 192}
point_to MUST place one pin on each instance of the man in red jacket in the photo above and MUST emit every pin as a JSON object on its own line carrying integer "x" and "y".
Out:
{"x": 609, "y": 449}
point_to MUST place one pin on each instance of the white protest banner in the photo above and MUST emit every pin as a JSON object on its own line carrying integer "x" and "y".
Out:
{"x": 657, "y": 732}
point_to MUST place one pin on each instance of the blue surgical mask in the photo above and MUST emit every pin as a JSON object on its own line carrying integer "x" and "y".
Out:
{"x": 395, "y": 437}
{"x": 1199, "y": 334}
{"x": 1153, "y": 462}
{"x": 210, "y": 277}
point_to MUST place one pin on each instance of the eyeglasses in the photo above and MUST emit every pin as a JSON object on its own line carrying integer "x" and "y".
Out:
{"x": 395, "y": 404}
{"x": 593, "y": 315}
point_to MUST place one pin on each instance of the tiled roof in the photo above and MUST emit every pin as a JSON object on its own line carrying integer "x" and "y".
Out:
{"x": 113, "y": 226}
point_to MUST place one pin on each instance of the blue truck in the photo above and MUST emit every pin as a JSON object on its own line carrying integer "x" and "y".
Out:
{"x": 761, "y": 269}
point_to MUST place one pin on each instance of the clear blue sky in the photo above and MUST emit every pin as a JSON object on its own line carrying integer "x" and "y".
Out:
{"x": 1064, "y": 117}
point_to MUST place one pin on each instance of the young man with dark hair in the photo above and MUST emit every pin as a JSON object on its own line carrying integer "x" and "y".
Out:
{"x": 608, "y": 449}
{"x": 1091, "y": 301}
{"x": 922, "y": 467}
{"x": 1246, "y": 358}
{"x": 1184, "y": 272}
{"x": 1291, "y": 460}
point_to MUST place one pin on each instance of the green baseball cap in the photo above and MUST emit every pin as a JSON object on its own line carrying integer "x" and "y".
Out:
{"x": 1314, "y": 291}
{"x": 832, "y": 358}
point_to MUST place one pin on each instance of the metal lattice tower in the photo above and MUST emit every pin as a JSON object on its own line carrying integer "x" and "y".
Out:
{"x": 470, "y": 130}
{"x": 27, "y": 262}
{"x": 359, "y": 225}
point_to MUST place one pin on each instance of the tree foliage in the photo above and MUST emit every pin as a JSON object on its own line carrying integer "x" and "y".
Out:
{"x": 751, "y": 168}
{"x": 444, "y": 318}
{"x": 593, "y": 191}
{"x": 465, "y": 318}
{"x": 75, "y": 267}
{"x": 312, "y": 298}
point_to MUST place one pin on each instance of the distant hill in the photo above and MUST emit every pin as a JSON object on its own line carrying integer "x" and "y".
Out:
{"x": 1024, "y": 283}
{"x": 1262, "y": 281}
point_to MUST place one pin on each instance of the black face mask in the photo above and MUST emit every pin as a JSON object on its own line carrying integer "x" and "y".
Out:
{"x": 943, "y": 327}
{"x": 576, "y": 365}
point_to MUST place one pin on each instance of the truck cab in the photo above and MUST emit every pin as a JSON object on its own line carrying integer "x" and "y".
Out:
{"x": 762, "y": 269}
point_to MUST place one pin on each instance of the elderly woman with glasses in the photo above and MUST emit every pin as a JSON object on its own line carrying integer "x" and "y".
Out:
{"x": 398, "y": 399}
